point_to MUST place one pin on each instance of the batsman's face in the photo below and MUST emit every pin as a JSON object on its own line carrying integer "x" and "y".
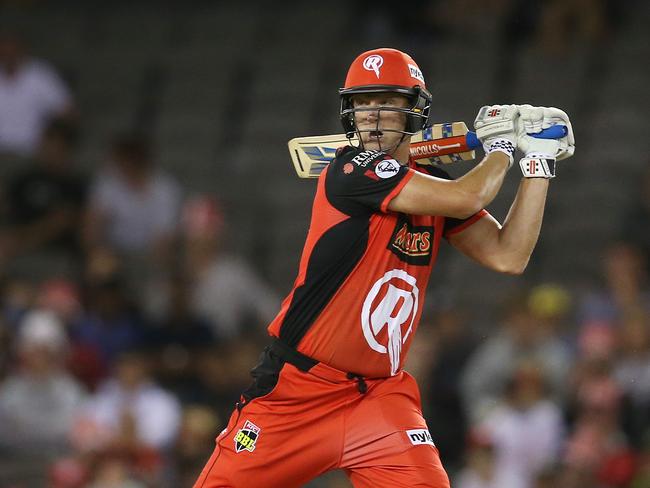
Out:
{"x": 378, "y": 125}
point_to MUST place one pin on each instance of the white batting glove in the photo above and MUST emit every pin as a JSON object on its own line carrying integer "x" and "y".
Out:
{"x": 531, "y": 121}
{"x": 535, "y": 119}
{"x": 496, "y": 128}
{"x": 554, "y": 116}
{"x": 541, "y": 154}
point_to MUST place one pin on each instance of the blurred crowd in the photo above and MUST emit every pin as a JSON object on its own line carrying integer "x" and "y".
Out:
{"x": 551, "y": 25}
{"x": 128, "y": 328}
{"x": 554, "y": 393}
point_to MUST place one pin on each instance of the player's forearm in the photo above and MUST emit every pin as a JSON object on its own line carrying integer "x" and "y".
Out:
{"x": 462, "y": 198}
{"x": 520, "y": 231}
{"x": 484, "y": 181}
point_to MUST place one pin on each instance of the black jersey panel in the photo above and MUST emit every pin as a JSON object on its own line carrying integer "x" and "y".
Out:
{"x": 332, "y": 260}
{"x": 359, "y": 181}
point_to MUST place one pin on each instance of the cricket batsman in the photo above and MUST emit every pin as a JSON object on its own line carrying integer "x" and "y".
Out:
{"x": 330, "y": 391}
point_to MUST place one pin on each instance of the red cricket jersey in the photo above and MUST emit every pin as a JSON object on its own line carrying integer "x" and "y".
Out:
{"x": 358, "y": 297}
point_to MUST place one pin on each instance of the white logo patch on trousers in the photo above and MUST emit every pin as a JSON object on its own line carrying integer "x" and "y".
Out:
{"x": 419, "y": 437}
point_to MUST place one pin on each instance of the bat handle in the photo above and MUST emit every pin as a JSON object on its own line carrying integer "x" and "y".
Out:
{"x": 554, "y": 132}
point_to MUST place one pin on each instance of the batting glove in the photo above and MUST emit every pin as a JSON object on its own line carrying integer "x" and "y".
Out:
{"x": 496, "y": 128}
{"x": 554, "y": 116}
{"x": 541, "y": 154}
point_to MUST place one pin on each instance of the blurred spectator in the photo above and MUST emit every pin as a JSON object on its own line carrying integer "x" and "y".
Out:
{"x": 479, "y": 471}
{"x": 526, "y": 334}
{"x": 225, "y": 290}
{"x": 176, "y": 341}
{"x": 44, "y": 204}
{"x": 550, "y": 305}
{"x": 596, "y": 342}
{"x": 31, "y": 93}
{"x": 597, "y": 451}
{"x": 548, "y": 478}
{"x": 557, "y": 25}
{"x": 418, "y": 22}
{"x": 526, "y": 429}
{"x": 67, "y": 472}
{"x": 632, "y": 374}
{"x": 442, "y": 400}
{"x": 624, "y": 290}
{"x": 39, "y": 399}
{"x": 109, "y": 325}
{"x": 129, "y": 417}
{"x": 633, "y": 231}
{"x": 129, "y": 409}
{"x": 642, "y": 475}
{"x": 570, "y": 22}
{"x": 133, "y": 205}
{"x": 18, "y": 297}
{"x": 195, "y": 442}
{"x": 223, "y": 372}
{"x": 114, "y": 472}
{"x": 102, "y": 264}
{"x": 61, "y": 297}
{"x": 5, "y": 339}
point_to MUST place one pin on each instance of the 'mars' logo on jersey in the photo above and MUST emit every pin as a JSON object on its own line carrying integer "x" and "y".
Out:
{"x": 411, "y": 244}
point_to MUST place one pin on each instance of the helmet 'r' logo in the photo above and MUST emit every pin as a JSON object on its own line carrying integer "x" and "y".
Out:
{"x": 392, "y": 302}
{"x": 373, "y": 63}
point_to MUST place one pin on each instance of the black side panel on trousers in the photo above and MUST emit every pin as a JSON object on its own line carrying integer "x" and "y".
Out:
{"x": 265, "y": 376}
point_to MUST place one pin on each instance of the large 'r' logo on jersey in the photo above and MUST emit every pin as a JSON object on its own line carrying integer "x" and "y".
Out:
{"x": 392, "y": 303}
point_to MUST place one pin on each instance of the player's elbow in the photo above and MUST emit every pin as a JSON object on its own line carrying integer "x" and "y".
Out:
{"x": 516, "y": 270}
{"x": 467, "y": 206}
{"x": 507, "y": 262}
{"x": 467, "y": 199}
{"x": 510, "y": 267}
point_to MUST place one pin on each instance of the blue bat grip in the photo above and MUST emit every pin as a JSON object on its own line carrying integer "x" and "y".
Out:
{"x": 472, "y": 140}
{"x": 554, "y": 132}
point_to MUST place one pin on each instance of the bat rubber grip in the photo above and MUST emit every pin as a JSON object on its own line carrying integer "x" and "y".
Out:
{"x": 554, "y": 132}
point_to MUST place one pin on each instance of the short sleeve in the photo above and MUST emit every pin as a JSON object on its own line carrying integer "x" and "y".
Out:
{"x": 454, "y": 226}
{"x": 359, "y": 182}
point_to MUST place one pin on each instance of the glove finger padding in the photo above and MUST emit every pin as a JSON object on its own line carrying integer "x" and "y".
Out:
{"x": 496, "y": 128}
{"x": 528, "y": 144}
{"x": 532, "y": 117}
{"x": 554, "y": 116}
{"x": 496, "y": 121}
{"x": 541, "y": 154}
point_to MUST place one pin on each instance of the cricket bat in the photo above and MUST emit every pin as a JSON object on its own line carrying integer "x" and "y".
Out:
{"x": 440, "y": 144}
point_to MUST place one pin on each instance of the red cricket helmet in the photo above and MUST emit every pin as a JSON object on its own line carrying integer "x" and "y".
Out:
{"x": 387, "y": 70}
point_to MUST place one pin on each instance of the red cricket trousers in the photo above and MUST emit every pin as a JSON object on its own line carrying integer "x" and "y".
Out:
{"x": 294, "y": 425}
